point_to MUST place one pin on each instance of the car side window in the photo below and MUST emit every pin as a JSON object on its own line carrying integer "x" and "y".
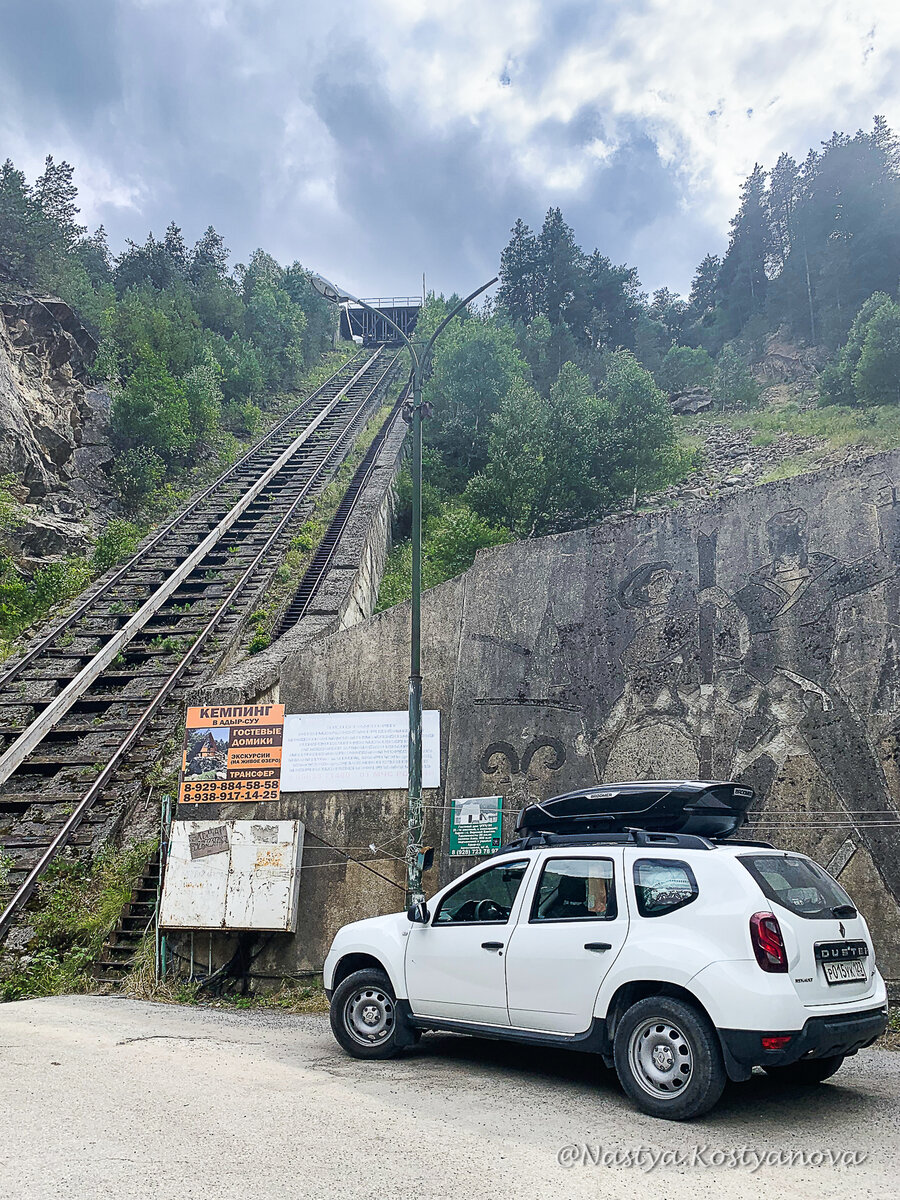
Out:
{"x": 662, "y": 885}
{"x": 485, "y": 899}
{"x": 575, "y": 889}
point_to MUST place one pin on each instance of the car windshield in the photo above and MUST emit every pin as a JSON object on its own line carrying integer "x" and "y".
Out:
{"x": 799, "y": 885}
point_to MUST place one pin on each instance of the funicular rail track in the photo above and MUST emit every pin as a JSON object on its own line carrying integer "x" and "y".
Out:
{"x": 81, "y": 708}
{"x": 302, "y": 601}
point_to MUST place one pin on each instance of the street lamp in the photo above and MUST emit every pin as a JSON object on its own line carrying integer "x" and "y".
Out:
{"x": 418, "y": 363}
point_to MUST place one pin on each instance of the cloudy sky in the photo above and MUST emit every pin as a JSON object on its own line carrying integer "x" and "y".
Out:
{"x": 375, "y": 139}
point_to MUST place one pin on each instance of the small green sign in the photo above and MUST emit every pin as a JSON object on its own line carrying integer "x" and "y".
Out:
{"x": 475, "y": 825}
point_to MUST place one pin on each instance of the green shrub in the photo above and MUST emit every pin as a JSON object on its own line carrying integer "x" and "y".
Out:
{"x": 76, "y": 906}
{"x": 734, "y": 384}
{"x": 11, "y": 513}
{"x": 204, "y": 401}
{"x": 118, "y": 541}
{"x": 837, "y": 383}
{"x": 451, "y": 539}
{"x": 242, "y": 417}
{"x": 685, "y": 367}
{"x": 136, "y": 474}
{"x": 431, "y": 495}
{"x": 308, "y": 536}
{"x": 259, "y": 641}
{"x": 152, "y": 409}
{"x": 60, "y": 581}
{"x": 877, "y": 375}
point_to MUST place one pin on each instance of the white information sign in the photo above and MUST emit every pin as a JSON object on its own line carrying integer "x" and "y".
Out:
{"x": 356, "y": 752}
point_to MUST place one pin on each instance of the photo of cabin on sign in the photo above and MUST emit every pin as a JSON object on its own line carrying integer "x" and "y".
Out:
{"x": 232, "y": 753}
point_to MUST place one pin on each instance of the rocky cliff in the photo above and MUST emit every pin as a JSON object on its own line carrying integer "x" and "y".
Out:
{"x": 54, "y": 429}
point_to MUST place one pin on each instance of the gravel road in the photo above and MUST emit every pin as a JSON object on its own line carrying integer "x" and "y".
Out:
{"x": 113, "y": 1098}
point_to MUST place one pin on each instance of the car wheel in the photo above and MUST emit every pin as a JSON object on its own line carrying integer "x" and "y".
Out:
{"x": 668, "y": 1058}
{"x": 807, "y": 1070}
{"x": 364, "y": 1016}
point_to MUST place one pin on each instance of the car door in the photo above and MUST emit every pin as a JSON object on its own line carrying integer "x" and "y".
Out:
{"x": 572, "y": 924}
{"x": 455, "y": 962}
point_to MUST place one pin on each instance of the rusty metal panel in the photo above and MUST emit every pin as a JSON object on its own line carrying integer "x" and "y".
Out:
{"x": 265, "y": 876}
{"x": 196, "y": 879}
{"x": 233, "y": 875}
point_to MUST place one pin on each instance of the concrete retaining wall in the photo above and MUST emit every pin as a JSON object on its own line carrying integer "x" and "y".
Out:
{"x": 754, "y": 637}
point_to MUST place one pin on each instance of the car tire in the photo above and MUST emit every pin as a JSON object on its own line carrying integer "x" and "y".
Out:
{"x": 668, "y": 1058}
{"x": 807, "y": 1070}
{"x": 365, "y": 1019}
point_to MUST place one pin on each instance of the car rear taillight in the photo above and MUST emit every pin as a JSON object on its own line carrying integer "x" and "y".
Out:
{"x": 768, "y": 944}
{"x": 776, "y": 1041}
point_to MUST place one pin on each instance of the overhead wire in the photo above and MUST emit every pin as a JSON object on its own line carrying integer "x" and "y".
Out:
{"x": 393, "y": 882}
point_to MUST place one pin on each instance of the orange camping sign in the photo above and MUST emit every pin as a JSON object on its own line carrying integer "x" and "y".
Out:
{"x": 232, "y": 752}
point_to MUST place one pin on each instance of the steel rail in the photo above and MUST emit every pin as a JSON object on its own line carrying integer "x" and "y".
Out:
{"x": 324, "y": 556}
{"x": 31, "y": 737}
{"x": 143, "y": 551}
{"x": 26, "y": 888}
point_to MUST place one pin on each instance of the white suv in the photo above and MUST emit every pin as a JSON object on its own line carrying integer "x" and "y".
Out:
{"x": 683, "y": 962}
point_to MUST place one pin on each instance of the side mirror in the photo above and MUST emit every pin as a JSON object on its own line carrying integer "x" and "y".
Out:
{"x": 419, "y": 913}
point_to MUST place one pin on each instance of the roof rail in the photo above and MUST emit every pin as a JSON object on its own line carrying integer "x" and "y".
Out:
{"x": 740, "y": 842}
{"x": 628, "y": 837}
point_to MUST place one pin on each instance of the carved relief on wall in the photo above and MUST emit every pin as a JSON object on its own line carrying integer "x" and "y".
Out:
{"x": 718, "y": 669}
{"x": 522, "y": 776}
{"x": 749, "y": 679}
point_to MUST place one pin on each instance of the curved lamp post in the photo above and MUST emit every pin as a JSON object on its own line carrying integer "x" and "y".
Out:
{"x": 419, "y": 360}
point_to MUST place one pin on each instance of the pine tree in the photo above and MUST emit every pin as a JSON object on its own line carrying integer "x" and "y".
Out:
{"x": 176, "y": 252}
{"x": 54, "y": 193}
{"x": 519, "y": 285}
{"x": 17, "y": 216}
{"x": 612, "y": 295}
{"x": 94, "y": 254}
{"x": 743, "y": 281}
{"x": 209, "y": 256}
{"x": 781, "y": 201}
{"x": 559, "y": 260}
{"x": 704, "y": 286}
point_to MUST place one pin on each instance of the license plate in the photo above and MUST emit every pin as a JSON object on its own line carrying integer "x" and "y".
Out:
{"x": 845, "y": 972}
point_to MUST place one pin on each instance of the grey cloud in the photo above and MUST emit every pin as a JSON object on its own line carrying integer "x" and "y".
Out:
{"x": 196, "y": 115}
{"x": 56, "y": 56}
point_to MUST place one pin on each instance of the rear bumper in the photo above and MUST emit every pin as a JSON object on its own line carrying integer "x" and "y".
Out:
{"x": 820, "y": 1037}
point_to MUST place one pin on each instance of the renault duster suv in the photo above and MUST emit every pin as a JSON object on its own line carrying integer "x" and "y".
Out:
{"x": 681, "y": 961}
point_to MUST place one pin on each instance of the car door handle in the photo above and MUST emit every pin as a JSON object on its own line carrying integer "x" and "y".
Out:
{"x": 598, "y": 945}
{"x": 492, "y": 945}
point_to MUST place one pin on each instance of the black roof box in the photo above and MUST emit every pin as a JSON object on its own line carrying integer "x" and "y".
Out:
{"x": 708, "y": 808}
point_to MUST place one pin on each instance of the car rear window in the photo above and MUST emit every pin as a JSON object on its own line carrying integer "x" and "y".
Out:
{"x": 662, "y": 885}
{"x": 799, "y": 885}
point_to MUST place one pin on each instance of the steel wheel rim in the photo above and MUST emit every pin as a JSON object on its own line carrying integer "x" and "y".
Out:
{"x": 661, "y": 1059}
{"x": 369, "y": 1016}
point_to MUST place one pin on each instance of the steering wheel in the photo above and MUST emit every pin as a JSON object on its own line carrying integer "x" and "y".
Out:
{"x": 489, "y": 910}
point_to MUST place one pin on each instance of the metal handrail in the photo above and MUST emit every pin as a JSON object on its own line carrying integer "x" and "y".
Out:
{"x": 391, "y": 302}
